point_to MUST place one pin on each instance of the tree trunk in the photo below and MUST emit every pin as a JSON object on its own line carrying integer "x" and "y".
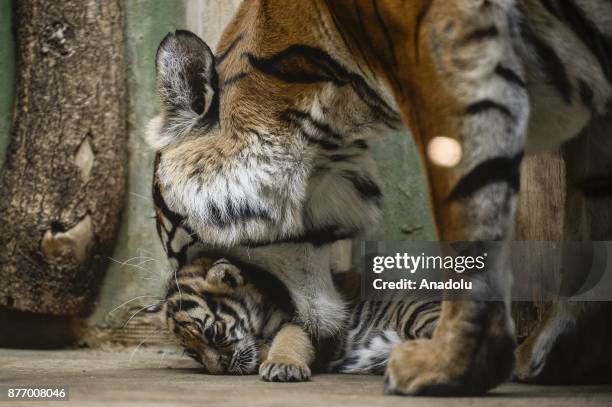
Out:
{"x": 62, "y": 185}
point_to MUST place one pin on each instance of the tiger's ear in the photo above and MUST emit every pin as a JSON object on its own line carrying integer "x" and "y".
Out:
{"x": 224, "y": 274}
{"x": 187, "y": 82}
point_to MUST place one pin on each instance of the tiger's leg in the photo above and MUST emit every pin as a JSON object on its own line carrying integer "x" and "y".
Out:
{"x": 464, "y": 84}
{"x": 290, "y": 356}
{"x": 570, "y": 346}
{"x": 305, "y": 270}
{"x": 572, "y": 343}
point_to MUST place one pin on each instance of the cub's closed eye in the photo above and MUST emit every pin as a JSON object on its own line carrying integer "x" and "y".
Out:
{"x": 198, "y": 323}
{"x": 209, "y": 333}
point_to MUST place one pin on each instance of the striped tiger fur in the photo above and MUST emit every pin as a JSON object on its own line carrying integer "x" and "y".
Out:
{"x": 264, "y": 151}
{"x": 229, "y": 320}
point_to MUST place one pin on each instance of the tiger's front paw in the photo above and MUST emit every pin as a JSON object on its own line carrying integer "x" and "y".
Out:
{"x": 415, "y": 368}
{"x": 284, "y": 369}
{"x": 432, "y": 368}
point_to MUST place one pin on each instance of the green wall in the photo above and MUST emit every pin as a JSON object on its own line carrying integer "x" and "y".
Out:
{"x": 7, "y": 75}
{"x": 406, "y": 213}
{"x": 138, "y": 267}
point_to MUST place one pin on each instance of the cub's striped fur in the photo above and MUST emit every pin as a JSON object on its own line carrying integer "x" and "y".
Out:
{"x": 264, "y": 149}
{"x": 224, "y": 320}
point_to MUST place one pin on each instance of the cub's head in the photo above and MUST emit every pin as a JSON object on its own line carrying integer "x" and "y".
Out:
{"x": 218, "y": 316}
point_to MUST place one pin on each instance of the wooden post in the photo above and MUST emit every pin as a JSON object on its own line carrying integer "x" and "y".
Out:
{"x": 540, "y": 214}
{"x": 61, "y": 187}
{"x": 553, "y": 207}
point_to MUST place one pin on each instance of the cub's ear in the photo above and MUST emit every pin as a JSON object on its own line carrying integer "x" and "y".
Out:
{"x": 224, "y": 274}
{"x": 187, "y": 84}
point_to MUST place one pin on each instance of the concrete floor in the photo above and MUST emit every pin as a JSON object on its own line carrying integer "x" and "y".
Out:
{"x": 162, "y": 377}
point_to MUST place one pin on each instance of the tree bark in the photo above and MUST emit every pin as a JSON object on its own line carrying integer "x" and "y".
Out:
{"x": 62, "y": 185}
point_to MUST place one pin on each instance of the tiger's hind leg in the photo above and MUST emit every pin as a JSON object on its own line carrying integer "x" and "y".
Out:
{"x": 573, "y": 344}
{"x": 467, "y": 80}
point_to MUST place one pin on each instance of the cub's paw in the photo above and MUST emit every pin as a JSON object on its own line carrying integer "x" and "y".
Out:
{"x": 284, "y": 370}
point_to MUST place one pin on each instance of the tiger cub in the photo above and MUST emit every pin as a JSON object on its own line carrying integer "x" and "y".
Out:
{"x": 238, "y": 321}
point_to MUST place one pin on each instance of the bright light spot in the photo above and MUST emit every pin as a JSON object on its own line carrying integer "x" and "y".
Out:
{"x": 444, "y": 151}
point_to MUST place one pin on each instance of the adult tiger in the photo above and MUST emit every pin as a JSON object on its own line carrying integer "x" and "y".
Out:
{"x": 264, "y": 149}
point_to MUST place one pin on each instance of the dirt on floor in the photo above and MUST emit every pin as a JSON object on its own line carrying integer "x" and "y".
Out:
{"x": 146, "y": 376}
